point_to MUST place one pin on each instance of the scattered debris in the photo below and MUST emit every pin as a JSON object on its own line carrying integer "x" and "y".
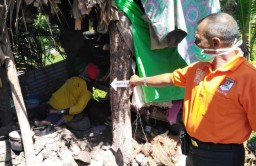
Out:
{"x": 93, "y": 148}
{"x": 162, "y": 150}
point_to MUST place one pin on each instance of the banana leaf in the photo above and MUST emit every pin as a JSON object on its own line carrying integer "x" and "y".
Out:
{"x": 244, "y": 11}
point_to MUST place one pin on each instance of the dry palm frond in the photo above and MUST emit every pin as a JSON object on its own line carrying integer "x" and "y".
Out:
{"x": 162, "y": 146}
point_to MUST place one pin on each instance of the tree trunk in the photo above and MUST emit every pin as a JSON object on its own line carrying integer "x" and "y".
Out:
{"x": 120, "y": 62}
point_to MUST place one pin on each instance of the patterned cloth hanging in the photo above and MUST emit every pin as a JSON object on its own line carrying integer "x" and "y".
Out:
{"x": 175, "y": 19}
{"x": 167, "y": 24}
{"x": 194, "y": 11}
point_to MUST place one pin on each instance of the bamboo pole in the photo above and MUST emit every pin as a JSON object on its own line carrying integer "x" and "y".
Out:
{"x": 18, "y": 100}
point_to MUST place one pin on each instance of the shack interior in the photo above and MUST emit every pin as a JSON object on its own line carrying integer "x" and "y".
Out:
{"x": 76, "y": 41}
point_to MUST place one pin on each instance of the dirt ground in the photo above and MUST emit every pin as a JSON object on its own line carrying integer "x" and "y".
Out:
{"x": 63, "y": 147}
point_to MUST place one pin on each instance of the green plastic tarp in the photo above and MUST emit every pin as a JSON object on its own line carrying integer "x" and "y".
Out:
{"x": 151, "y": 62}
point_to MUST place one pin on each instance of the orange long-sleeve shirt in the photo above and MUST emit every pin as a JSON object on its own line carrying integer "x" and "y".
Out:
{"x": 220, "y": 105}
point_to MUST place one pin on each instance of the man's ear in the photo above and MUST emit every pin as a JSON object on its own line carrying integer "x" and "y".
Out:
{"x": 216, "y": 42}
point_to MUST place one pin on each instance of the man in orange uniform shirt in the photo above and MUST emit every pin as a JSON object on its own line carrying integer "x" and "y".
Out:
{"x": 219, "y": 109}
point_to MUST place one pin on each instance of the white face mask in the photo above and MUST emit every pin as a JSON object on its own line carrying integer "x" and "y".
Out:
{"x": 208, "y": 57}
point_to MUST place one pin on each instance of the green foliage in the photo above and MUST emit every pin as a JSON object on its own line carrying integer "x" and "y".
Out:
{"x": 244, "y": 12}
{"x": 41, "y": 21}
{"x": 243, "y": 15}
{"x": 39, "y": 46}
{"x": 253, "y": 32}
{"x": 48, "y": 42}
{"x": 252, "y": 138}
{"x": 251, "y": 143}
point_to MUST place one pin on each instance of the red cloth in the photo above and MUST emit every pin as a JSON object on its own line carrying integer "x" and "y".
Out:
{"x": 93, "y": 71}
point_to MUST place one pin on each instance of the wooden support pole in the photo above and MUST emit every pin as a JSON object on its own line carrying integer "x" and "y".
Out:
{"x": 6, "y": 115}
{"x": 18, "y": 100}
